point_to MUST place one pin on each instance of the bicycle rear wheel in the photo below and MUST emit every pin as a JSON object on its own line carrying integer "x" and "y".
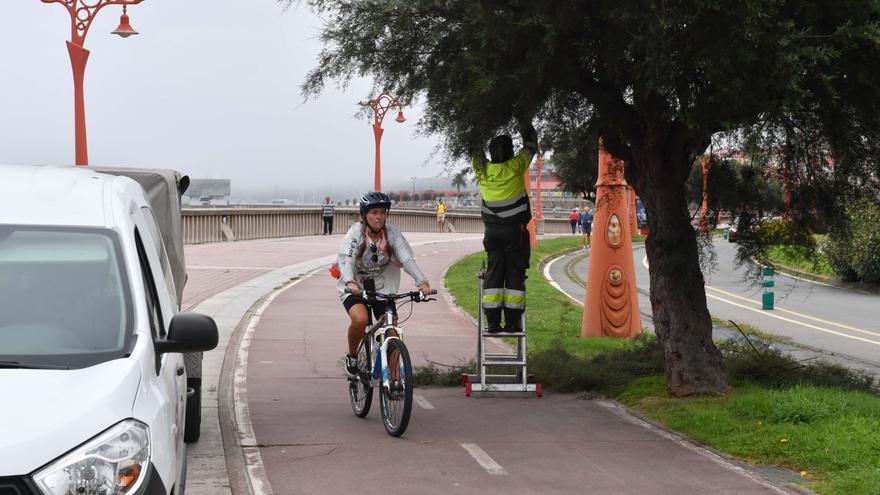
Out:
{"x": 359, "y": 389}
{"x": 396, "y": 401}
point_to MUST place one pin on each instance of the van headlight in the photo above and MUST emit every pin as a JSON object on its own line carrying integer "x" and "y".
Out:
{"x": 113, "y": 463}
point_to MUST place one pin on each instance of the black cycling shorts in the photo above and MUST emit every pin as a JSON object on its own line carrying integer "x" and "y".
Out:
{"x": 378, "y": 306}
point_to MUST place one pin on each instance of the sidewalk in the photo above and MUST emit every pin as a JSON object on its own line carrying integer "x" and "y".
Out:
{"x": 292, "y": 431}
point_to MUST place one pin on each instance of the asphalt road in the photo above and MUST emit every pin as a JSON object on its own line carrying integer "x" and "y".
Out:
{"x": 843, "y": 323}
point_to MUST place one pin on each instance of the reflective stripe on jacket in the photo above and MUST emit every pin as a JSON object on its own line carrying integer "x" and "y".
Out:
{"x": 503, "y": 188}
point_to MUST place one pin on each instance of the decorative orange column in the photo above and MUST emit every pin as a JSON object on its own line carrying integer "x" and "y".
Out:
{"x": 611, "y": 304}
{"x": 631, "y": 202}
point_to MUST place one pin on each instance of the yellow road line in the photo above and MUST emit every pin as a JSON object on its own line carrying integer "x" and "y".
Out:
{"x": 821, "y": 329}
{"x": 814, "y": 327}
{"x": 841, "y": 325}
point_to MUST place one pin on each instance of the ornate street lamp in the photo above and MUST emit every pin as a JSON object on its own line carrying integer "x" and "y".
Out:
{"x": 82, "y": 13}
{"x": 380, "y": 105}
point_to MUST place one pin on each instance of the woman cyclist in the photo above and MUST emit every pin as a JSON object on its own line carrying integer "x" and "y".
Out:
{"x": 370, "y": 258}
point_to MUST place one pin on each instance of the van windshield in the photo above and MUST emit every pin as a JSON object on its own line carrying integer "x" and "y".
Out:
{"x": 64, "y": 299}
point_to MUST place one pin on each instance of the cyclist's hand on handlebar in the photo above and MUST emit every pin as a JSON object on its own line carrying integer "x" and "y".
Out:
{"x": 426, "y": 291}
{"x": 353, "y": 288}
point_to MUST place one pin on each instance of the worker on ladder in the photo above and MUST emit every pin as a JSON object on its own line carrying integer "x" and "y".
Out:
{"x": 506, "y": 214}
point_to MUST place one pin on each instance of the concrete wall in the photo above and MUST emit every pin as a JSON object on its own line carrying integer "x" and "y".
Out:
{"x": 202, "y": 225}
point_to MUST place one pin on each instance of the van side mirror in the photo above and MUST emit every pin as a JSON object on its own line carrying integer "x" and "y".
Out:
{"x": 189, "y": 332}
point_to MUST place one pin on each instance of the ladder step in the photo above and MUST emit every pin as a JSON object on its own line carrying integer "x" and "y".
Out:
{"x": 503, "y": 362}
{"x": 504, "y": 334}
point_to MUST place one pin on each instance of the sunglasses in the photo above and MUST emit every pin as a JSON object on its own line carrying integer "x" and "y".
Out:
{"x": 374, "y": 250}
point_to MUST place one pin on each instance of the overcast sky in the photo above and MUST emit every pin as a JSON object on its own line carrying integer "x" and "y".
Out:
{"x": 209, "y": 87}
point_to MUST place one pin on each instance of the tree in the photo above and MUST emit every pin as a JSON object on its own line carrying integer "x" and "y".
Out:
{"x": 576, "y": 160}
{"x": 737, "y": 187}
{"x": 658, "y": 80}
{"x": 460, "y": 179}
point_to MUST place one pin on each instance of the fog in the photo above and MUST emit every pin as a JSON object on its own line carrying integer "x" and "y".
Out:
{"x": 211, "y": 88}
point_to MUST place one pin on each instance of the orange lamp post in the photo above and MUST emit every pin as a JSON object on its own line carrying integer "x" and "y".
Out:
{"x": 706, "y": 166}
{"x": 611, "y": 304}
{"x": 82, "y": 12}
{"x": 380, "y": 105}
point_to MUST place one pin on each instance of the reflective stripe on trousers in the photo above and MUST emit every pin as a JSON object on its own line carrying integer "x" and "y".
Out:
{"x": 504, "y": 298}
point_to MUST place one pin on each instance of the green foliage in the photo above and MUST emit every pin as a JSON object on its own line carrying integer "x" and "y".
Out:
{"x": 805, "y": 259}
{"x": 736, "y": 187}
{"x": 853, "y": 248}
{"x": 784, "y": 232}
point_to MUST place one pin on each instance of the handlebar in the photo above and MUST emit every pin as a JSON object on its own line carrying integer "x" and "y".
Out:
{"x": 415, "y": 296}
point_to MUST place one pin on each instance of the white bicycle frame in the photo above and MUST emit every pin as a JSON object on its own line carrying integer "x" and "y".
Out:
{"x": 383, "y": 325}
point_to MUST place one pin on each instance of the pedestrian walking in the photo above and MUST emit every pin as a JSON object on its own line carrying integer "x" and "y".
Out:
{"x": 327, "y": 215}
{"x": 441, "y": 215}
{"x": 573, "y": 219}
{"x": 586, "y": 221}
{"x": 505, "y": 213}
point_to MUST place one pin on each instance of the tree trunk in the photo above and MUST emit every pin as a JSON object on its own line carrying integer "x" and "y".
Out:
{"x": 692, "y": 363}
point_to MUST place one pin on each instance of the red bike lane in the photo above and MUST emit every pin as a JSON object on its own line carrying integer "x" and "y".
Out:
{"x": 310, "y": 442}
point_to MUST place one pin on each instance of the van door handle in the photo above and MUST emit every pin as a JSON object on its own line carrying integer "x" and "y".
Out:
{"x": 180, "y": 371}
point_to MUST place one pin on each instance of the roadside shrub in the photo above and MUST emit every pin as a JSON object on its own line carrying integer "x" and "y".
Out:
{"x": 785, "y": 232}
{"x": 853, "y": 249}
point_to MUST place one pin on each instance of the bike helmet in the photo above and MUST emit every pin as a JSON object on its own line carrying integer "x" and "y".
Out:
{"x": 374, "y": 200}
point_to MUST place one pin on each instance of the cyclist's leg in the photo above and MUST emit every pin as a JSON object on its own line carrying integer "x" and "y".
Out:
{"x": 357, "y": 313}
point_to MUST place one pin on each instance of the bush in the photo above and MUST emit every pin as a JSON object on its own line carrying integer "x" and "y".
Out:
{"x": 854, "y": 248}
{"x": 785, "y": 232}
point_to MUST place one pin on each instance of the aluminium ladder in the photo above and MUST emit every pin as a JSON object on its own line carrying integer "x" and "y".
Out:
{"x": 499, "y": 371}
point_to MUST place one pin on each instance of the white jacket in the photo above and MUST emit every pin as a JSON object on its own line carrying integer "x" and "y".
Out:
{"x": 384, "y": 272}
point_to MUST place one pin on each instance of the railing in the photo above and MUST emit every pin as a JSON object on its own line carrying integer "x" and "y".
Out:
{"x": 201, "y": 225}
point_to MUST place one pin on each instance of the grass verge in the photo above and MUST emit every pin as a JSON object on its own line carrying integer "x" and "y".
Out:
{"x": 800, "y": 258}
{"x": 817, "y": 419}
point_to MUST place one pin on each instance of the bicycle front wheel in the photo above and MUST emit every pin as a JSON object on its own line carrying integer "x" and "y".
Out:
{"x": 359, "y": 389}
{"x": 396, "y": 400}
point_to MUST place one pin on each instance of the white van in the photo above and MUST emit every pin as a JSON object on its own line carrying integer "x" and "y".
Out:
{"x": 93, "y": 381}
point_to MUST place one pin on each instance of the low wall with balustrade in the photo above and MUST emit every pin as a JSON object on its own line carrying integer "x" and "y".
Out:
{"x": 201, "y": 225}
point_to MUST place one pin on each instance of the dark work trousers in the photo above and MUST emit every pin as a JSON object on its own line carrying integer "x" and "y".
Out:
{"x": 328, "y": 225}
{"x": 508, "y": 251}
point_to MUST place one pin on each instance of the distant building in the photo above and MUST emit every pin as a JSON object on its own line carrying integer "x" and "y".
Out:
{"x": 208, "y": 191}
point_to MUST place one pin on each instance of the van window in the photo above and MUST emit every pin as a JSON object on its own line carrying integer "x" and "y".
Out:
{"x": 64, "y": 297}
{"x": 154, "y": 310}
{"x": 158, "y": 246}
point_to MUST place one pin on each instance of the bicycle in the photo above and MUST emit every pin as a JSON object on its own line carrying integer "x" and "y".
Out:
{"x": 383, "y": 361}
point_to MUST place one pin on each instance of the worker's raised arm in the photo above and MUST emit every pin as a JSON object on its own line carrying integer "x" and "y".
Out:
{"x": 529, "y": 136}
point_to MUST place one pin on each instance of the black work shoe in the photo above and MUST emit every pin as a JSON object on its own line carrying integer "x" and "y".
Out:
{"x": 513, "y": 329}
{"x": 351, "y": 366}
{"x": 494, "y": 328}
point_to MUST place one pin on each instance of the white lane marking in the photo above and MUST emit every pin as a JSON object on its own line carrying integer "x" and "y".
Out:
{"x": 434, "y": 252}
{"x": 267, "y": 362}
{"x": 789, "y": 320}
{"x": 553, "y": 282}
{"x": 423, "y": 402}
{"x": 801, "y": 315}
{"x": 483, "y": 458}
